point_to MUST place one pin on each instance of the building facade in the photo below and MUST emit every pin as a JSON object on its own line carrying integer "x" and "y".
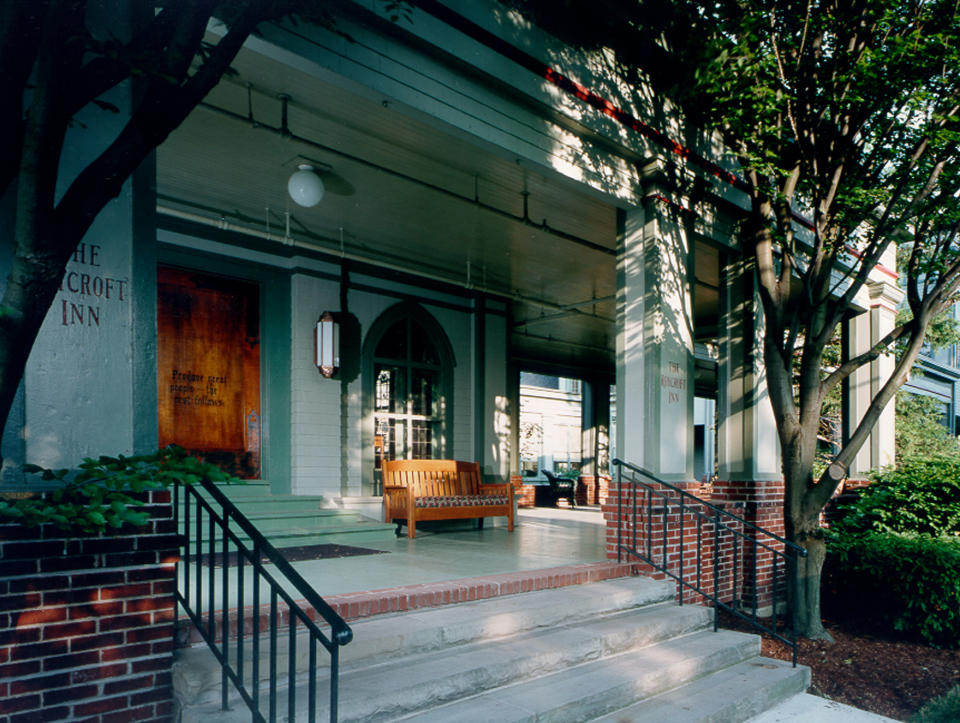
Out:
{"x": 492, "y": 201}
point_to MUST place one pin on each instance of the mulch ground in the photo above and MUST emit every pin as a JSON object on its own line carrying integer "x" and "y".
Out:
{"x": 869, "y": 669}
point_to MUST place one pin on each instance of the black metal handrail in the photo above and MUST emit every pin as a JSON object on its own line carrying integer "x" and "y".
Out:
{"x": 735, "y": 576}
{"x": 195, "y": 514}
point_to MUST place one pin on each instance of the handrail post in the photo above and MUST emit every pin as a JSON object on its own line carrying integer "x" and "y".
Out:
{"x": 619, "y": 508}
{"x": 224, "y": 613}
{"x": 716, "y": 570}
{"x": 795, "y": 613}
{"x": 334, "y": 683}
{"x": 680, "y": 574}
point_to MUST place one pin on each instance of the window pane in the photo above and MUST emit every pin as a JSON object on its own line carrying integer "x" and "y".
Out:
{"x": 424, "y": 392}
{"x": 393, "y": 344}
{"x": 422, "y": 439}
{"x": 391, "y": 389}
{"x": 421, "y": 346}
{"x": 383, "y": 442}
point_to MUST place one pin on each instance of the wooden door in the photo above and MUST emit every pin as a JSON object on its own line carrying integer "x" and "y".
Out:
{"x": 208, "y": 368}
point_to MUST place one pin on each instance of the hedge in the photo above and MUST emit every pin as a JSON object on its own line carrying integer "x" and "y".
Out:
{"x": 907, "y": 581}
{"x": 922, "y": 495}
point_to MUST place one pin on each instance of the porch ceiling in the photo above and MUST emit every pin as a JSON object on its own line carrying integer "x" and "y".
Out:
{"x": 401, "y": 192}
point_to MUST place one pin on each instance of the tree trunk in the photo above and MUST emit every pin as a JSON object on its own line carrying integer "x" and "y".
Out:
{"x": 808, "y": 534}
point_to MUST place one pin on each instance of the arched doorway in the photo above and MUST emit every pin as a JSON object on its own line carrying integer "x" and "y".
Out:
{"x": 407, "y": 390}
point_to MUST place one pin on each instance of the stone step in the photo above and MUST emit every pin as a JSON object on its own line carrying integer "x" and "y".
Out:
{"x": 465, "y": 649}
{"x": 618, "y": 650}
{"x": 393, "y": 636}
{"x": 595, "y": 688}
{"x": 760, "y": 683}
{"x": 545, "y": 675}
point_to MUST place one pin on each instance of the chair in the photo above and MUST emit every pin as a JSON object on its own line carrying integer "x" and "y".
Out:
{"x": 562, "y": 487}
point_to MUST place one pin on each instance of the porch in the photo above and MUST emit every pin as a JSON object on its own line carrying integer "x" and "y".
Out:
{"x": 550, "y": 547}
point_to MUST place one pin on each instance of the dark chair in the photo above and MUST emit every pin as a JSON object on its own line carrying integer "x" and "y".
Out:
{"x": 562, "y": 487}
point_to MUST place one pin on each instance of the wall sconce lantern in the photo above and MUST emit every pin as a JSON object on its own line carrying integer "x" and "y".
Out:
{"x": 326, "y": 344}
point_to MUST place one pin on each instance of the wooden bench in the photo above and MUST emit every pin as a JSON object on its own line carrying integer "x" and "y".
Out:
{"x": 441, "y": 489}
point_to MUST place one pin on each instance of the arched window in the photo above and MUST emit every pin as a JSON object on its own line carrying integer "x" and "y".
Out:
{"x": 408, "y": 371}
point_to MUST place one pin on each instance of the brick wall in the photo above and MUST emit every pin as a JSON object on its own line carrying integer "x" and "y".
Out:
{"x": 86, "y": 624}
{"x": 762, "y": 502}
{"x": 524, "y": 494}
{"x": 592, "y": 490}
{"x": 681, "y": 537}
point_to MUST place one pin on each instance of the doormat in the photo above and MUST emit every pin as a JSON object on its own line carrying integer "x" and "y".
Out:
{"x": 297, "y": 554}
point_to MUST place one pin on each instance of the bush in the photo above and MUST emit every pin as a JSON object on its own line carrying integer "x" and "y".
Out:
{"x": 922, "y": 495}
{"x": 920, "y": 431}
{"x": 942, "y": 709}
{"x": 105, "y": 492}
{"x": 909, "y": 582}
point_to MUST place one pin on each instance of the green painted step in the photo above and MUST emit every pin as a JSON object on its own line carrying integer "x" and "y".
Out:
{"x": 301, "y": 520}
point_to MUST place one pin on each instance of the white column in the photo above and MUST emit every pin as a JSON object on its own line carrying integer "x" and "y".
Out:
{"x": 748, "y": 446}
{"x": 655, "y": 345}
{"x": 857, "y": 393}
{"x": 884, "y": 298}
{"x": 862, "y": 332}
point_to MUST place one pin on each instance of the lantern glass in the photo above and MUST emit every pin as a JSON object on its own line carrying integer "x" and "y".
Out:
{"x": 327, "y": 353}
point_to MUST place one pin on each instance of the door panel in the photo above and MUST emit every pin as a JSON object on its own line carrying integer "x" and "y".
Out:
{"x": 208, "y": 368}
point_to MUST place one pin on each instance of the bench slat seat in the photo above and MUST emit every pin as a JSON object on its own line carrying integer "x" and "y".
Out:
{"x": 441, "y": 489}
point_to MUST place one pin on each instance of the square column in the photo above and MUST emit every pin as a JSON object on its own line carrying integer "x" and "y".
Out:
{"x": 860, "y": 334}
{"x": 748, "y": 447}
{"x": 856, "y": 390}
{"x": 750, "y": 477}
{"x": 884, "y": 298}
{"x": 595, "y": 442}
{"x": 655, "y": 343}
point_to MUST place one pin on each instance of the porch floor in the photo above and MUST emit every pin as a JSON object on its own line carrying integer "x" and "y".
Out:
{"x": 549, "y": 547}
{"x": 542, "y": 538}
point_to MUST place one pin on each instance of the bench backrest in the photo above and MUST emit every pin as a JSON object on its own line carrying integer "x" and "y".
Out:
{"x": 433, "y": 477}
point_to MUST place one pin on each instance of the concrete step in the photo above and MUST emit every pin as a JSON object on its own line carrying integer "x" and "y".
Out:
{"x": 760, "y": 683}
{"x": 618, "y": 650}
{"x": 390, "y": 637}
{"x": 546, "y": 675}
{"x": 614, "y": 648}
{"x": 584, "y": 692}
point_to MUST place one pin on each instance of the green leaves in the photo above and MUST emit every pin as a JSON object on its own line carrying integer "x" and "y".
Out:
{"x": 912, "y": 581}
{"x": 921, "y": 496}
{"x": 105, "y": 493}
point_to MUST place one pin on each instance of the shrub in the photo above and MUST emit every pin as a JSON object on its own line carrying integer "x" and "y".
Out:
{"x": 920, "y": 431}
{"x": 105, "y": 492}
{"x": 909, "y": 582}
{"x": 922, "y": 495}
{"x": 942, "y": 709}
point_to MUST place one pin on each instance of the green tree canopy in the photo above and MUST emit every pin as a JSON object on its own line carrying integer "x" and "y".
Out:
{"x": 844, "y": 118}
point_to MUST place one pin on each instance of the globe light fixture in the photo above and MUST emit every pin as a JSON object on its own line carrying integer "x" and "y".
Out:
{"x": 305, "y": 187}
